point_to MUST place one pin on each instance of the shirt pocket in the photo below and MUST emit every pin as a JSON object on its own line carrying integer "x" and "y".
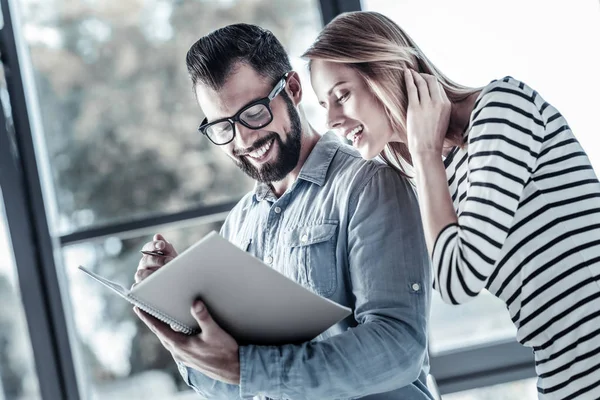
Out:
{"x": 243, "y": 242}
{"x": 311, "y": 251}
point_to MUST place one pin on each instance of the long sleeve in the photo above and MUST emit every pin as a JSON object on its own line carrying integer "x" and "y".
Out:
{"x": 390, "y": 276}
{"x": 504, "y": 143}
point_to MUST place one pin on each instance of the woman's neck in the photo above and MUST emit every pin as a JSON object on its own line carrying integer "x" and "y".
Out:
{"x": 460, "y": 116}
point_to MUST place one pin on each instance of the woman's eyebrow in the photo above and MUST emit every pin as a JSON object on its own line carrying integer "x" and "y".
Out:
{"x": 334, "y": 86}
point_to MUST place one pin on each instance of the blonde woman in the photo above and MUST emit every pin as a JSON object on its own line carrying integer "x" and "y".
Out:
{"x": 509, "y": 200}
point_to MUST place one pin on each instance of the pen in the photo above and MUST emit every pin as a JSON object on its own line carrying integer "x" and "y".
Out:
{"x": 157, "y": 253}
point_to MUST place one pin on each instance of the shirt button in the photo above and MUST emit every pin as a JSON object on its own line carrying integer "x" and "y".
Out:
{"x": 416, "y": 287}
{"x": 304, "y": 238}
{"x": 277, "y": 210}
{"x": 269, "y": 260}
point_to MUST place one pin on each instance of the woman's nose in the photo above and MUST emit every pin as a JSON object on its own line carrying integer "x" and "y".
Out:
{"x": 335, "y": 118}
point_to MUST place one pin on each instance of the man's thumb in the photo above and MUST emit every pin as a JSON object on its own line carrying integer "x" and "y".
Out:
{"x": 203, "y": 317}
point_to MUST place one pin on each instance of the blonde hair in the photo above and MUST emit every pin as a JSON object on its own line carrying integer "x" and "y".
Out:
{"x": 380, "y": 51}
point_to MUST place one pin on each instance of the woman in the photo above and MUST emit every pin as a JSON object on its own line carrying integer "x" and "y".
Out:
{"x": 509, "y": 200}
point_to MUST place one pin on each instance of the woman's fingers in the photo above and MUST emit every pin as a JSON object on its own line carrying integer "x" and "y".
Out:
{"x": 421, "y": 86}
{"x": 436, "y": 90}
{"x": 411, "y": 89}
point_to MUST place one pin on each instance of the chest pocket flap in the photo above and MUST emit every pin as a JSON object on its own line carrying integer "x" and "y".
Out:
{"x": 309, "y": 235}
{"x": 311, "y": 256}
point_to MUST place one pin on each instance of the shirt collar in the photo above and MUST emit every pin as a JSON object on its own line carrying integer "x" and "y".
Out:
{"x": 263, "y": 191}
{"x": 314, "y": 169}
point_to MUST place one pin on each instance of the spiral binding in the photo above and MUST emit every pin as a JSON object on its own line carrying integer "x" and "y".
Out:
{"x": 163, "y": 317}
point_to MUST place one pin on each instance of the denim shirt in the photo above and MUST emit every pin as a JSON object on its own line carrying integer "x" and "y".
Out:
{"x": 349, "y": 230}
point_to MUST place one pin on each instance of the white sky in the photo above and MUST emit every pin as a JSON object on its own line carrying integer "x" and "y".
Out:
{"x": 551, "y": 45}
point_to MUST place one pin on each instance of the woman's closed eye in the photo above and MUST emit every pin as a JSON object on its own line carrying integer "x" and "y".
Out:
{"x": 343, "y": 97}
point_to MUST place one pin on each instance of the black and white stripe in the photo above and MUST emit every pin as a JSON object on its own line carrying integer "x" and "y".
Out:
{"x": 528, "y": 206}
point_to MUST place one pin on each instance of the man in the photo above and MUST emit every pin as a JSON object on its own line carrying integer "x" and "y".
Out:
{"x": 346, "y": 228}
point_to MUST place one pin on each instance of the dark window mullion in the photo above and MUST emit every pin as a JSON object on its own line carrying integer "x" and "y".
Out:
{"x": 331, "y": 8}
{"x": 133, "y": 228}
{"x": 30, "y": 237}
{"x": 479, "y": 366}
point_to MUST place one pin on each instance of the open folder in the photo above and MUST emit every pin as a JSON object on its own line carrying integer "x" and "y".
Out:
{"x": 251, "y": 301}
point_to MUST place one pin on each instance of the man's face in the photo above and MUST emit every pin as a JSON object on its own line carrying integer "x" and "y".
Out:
{"x": 267, "y": 154}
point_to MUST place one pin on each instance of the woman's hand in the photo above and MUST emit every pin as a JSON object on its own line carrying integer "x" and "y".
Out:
{"x": 428, "y": 114}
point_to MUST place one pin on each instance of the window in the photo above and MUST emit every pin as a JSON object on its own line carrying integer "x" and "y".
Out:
{"x": 480, "y": 321}
{"x": 18, "y": 379}
{"x": 122, "y": 358}
{"x": 118, "y": 114}
{"x": 118, "y": 126}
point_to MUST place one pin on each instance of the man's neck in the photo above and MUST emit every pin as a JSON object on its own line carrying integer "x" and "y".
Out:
{"x": 310, "y": 137}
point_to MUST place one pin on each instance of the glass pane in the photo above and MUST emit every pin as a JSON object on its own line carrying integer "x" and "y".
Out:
{"x": 523, "y": 390}
{"x": 120, "y": 357}
{"x": 18, "y": 379}
{"x": 118, "y": 114}
{"x": 471, "y": 48}
{"x": 482, "y": 320}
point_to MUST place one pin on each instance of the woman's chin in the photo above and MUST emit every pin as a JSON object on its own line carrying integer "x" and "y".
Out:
{"x": 367, "y": 153}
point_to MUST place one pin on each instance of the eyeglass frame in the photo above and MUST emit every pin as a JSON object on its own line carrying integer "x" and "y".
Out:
{"x": 266, "y": 101}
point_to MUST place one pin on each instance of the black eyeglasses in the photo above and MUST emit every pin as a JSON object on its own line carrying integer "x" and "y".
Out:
{"x": 255, "y": 115}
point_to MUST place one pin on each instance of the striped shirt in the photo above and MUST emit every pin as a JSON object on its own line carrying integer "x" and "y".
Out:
{"x": 528, "y": 207}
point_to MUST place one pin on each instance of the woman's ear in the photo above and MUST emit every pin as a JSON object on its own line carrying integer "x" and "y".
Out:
{"x": 294, "y": 87}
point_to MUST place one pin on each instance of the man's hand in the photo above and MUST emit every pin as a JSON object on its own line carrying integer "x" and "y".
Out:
{"x": 213, "y": 352}
{"x": 149, "y": 264}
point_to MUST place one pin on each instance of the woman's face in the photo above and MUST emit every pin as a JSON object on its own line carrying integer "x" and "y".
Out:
{"x": 353, "y": 111}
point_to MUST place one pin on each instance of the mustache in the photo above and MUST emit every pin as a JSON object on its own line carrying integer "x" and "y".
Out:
{"x": 256, "y": 145}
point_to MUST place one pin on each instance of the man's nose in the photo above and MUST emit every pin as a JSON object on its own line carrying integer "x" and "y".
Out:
{"x": 244, "y": 137}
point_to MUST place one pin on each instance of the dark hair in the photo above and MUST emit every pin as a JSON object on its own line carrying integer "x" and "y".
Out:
{"x": 210, "y": 60}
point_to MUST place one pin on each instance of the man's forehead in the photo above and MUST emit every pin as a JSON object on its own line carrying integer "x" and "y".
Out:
{"x": 242, "y": 86}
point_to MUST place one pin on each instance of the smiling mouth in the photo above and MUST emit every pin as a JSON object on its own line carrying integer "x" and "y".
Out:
{"x": 260, "y": 153}
{"x": 354, "y": 133}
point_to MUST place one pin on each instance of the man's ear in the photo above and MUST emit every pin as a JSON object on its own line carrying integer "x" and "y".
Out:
{"x": 294, "y": 87}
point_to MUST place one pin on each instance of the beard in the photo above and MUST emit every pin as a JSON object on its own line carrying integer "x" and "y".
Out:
{"x": 289, "y": 151}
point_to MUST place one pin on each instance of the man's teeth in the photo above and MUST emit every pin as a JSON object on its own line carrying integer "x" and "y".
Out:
{"x": 355, "y": 131}
{"x": 258, "y": 153}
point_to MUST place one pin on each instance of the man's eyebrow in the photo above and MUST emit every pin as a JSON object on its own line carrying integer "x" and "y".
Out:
{"x": 242, "y": 107}
{"x": 248, "y": 103}
{"x": 334, "y": 86}
{"x": 252, "y": 101}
